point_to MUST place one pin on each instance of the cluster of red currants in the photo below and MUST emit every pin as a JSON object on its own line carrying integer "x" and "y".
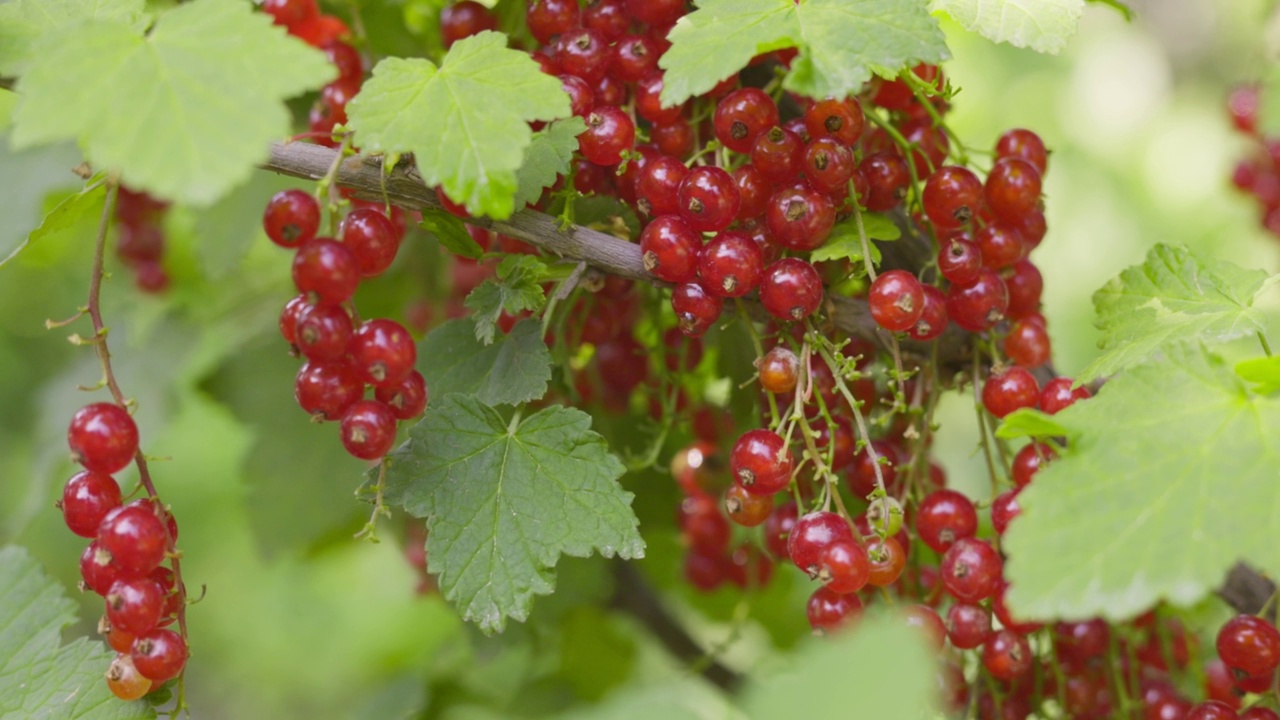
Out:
{"x": 1258, "y": 175}
{"x": 304, "y": 21}
{"x": 343, "y": 358}
{"x": 139, "y": 222}
{"x": 124, "y": 563}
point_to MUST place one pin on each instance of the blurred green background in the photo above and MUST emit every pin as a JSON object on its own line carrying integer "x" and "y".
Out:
{"x": 301, "y": 621}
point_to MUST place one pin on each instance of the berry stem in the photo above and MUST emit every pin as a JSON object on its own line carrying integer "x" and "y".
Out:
{"x": 922, "y": 93}
{"x": 370, "y": 530}
{"x": 982, "y": 421}
{"x": 749, "y": 324}
{"x": 1266, "y": 347}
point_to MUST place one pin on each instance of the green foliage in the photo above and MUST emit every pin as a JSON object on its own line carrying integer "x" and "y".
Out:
{"x": 1263, "y": 373}
{"x": 39, "y": 679}
{"x": 68, "y": 216}
{"x": 1042, "y": 25}
{"x": 183, "y": 112}
{"x": 882, "y": 670}
{"x": 547, "y": 157}
{"x": 504, "y": 499}
{"x": 1168, "y": 481}
{"x": 229, "y": 227}
{"x": 841, "y": 42}
{"x": 466, "y": 122}
{"x": 845, "y": 242}
{"x": 515, "y": 290}
{"x": 514, "y": 369}
{"x": 1172, "y": 297}
{"x": 24, "y": 22}
{"x": 451, "y": 233}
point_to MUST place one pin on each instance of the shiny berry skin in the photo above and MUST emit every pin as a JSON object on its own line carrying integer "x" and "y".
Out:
{"x": 811, "y": 535}
{"x": 346, "y": 58}
{"x": 87, "y": 498}
{"x": 134, "y": 605}
{"x": 1029, "y": 460}
{"x": 124, "y": 680}
{"x": 1211, "y": 710}
{"x": 1058, "y": 395}
{"x": 777, "y": 530}
{"x": 1024, "y": 145}
{"x": 1013, "y": 189}
{"x": 840, "y": 119}
{"x": 289, "y": 318}
{"x": 951, "y": 197}
{"x": 968, "y": 625}
{"x": 117, "y": 639}
{"x": 98, "y": 569}
{"x": 407, "y": 399}
{"x": 321, "y": 30}
{"x": 960, "y": 262}
{"x": 708, "y": 199}
{"x": 382, "y": 352}
{"x": 368, "y": 429}
{"x": 978, "y": 306}
{"x": 1004, "y": 508}
{"x": 829, "y": 165}
{"x": 634, "y": 57}
{"x": 1001, "y": 246}
{"x": 673, "y": 138}
{"x": 791, "y": 289}
{"x": 1249, "y": 645}
{"x": 1010, "y": 390}
{"x": 173, "y": 600}
{"x": 1258, "y": 712}
{"x": 778, "y": 153}
{"x": 943, "y": 517}
{"x": 1025, "y": 284}
{"x": 582, "y": 99}
{"x": 1007, "y": 656}
{"x": 323, "y": 332}
{"x": 1000, "y": 609}
{"x": 843, "y": 566}
{"x": 799, "y": 218}
{"x": 753, "y": 191}
{"x": 159, "y": 655}
{"x": 135, "y": 538}
{"x": 583, "y": 53}
{"x": 971, "y": 570}
{"x": 610, "y": 132}
{"x": 649, "y": 101}
{"x": 925, "y": 619}
{"x": 326, "y": 270}
{"x": 1033, "y": 229}
{"x": 887, "y": 180}
{"x": 669, "y": 249}
{"x": 327, "y": 389}
{"x": 656, "y": 12}
{"x": 696, "y": 309}
{"x": 607, "y": 17}
{"x": 933, "y": 315}
{"x": 1027, "y": 345}
{"x": 730, "y": 265}
{"x": 829, "y": 611}
{"x": 742, "y": 115}
{"x": 1081, "y": 641}
{"x": 330, "y": 109}
{"x": 887, "y": 559}
{"x": 760, "y": 462}
{"x": 779, "y": 370}
{"x": 549, "y": 18}
{"x": 896, "y": 300}
{"x": 372, "y": 239}
{"x": 658, "y": 186}
{"x": 464, "y": 19}
{"x": 103, "y": 437}
{"x": 291, "y": 12}
{"x": 746, "y": 509}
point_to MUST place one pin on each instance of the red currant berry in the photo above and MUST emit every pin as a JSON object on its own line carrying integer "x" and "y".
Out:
{"x": 634, "y": 57}
{"x": 1033, "y": 229}
{"x": 610, "y": 18}
{"x": 382, "y": 353}
{"x": 746, "y": 509}
{"x": 800, "y": 218}
{"x": 1024, "y": 145}
{"x": 1242, "y": 104}
{"x": 408, "y": 399}
{"x": 829, "y": 611}
{"x": 289, "y": 318}
{"x": 702, "y": 524}
{"x": 658, "y": 186}
{"x": 933, "y": 317}
{"x": 1004, "y": 508}
{"x": 1058, "y": 395}
{"x": 1001, "y": 246}
{"x": 372, "y": 239}
{"x": 1249, "y": 645}
{"x": 742, "y": 115}
{"x": 968, "y": 625}
{"x": 103, "y": 437}
{"x": 669, "y": 249}
{"x": 730, "y": 265}
{"x": 844, "y": 567}
{"x": 840, "y": 119}
{"x": 347, "y": 59}
{"x": 87, "y": 498}
{"x": 326, "y": 389}
{"x": 778, "y": 153}
{"x": 761, "y": 462}
{"x": 1001, "y": 610}
{"x": 323, "y": 332}
{"x": 673, "y": 138}
{"x": 1257, "y": 712}
{"x": 777, "y": 529}
{"x": 862, "y": 474}
{"x": 1007, "y": 656}
{"x": 326, "y": 270}
{"x": 656, "y": 13}
{"x": 1081, "y": 641}
{"x": 582, "y": 99}
{"x": 134, "y": 605}
{"x": 291, "y": 12}
{"x": 464, "y": 19}
{"x": 1025, "y": 284}
{"x": 779, "y": 370}
{"x": 753, "y": 191}
{"x": 159, "y": 655}
{"x": 135, "y": 537}
{"x": 696, "y": 309}
{"x": 173, "y": 599}
{"x": 583, "y": 53}
{"x": 1013, "y": 189}
{"x": 829, "y": 165}
{"x": 943, "y": 517}
{"x": 1010, "y": 390}
{"x": 1211, "y": 710}
{"x": 896, "y": 300}
{"x": 124, "y": 680}
{"x": 1027, "y": 345}
{"x": 971, "y": 570}
{"x": 98, "y": 569}
{"x": 925, "y": 619}
{"x": 548, "y": 18}
{"x": 140, "y": 243}
{"x": 368, "y": 429}
{"x": 887, "y": 180}
{"x": 887, "y": 559}
{"x": 708, "y": 199}
{"x": 610, "y": 132}
{"x": 979, "y": 306}
{"x": 960, "y": 262}
{"x": 811, "y": 535}
{"x": 649, "y": 103}
{"x": 952, "y": 196}
{"x": 117, "y": 639}
{"x": 1029, "y": 460}
{"x": 791, "y": 289}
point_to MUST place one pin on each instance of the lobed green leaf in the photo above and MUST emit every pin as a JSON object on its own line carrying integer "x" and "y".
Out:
{"x": 24, "y": 22}
{"x": 66, "y": 216}
{"x": 514, "y": 369}
{"x": 515, "y": 289}
{"x": 1042, "y": 25}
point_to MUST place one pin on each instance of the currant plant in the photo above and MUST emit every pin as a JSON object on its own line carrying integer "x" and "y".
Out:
{"x": 682, "y": 286}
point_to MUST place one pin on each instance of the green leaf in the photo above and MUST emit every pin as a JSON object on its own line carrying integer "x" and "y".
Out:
{"x": 515, "y": 290}
{"x": 1042, "y": 25}
{"x": 228, "y": 228}
{"x": 1118, "y": 6}
{"x": 39, "y": 679}
{"x": 846, "y": 244}
{"x": 503, "y": 500}
{"x": 841, "y": 43}
{"x": 1173, "y": 296}
{"x": 452, "y": 233}
{"x": 1168, "y": 480}
{"x": 1029, "y": 422}
{"x": 595, "y": 654}
{"x": 893, "y": 680}
{"x": 8, "y": 101}
{"x": 548, "y": 156}
{"x": 1263, "y": 372}
{"x": 67, "y": 216}
{"x": 514, "y": 369}
{"x": 24, "y": 22}
{"x": 467, "y": 122}
{"x": 184, "y": 112}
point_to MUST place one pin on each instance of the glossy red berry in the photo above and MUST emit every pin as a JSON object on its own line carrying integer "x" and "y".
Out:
{"x": 696, "y": 309}
{"x": 649, "y": 104}
{"x": 778, "y": 153}
{"x": 708, "y": 199}
{"x": 840, "y": 119}
{"x": 464, "y": 19}
{"x": 779, "y": 370}
{"x": 811, "y": 535}
{"x": 634, "y": 57}
{"x": 1025, "y": 285}
{"x": 327, "y": 389}
{"x": 582, "y": 52}
{"x": 761, "y": 462}
{"x": 1024, "y": 145}
{"x": 103, "y": 437}
{"x": 829, "y": 165}
{"x": 1002, "y": 612}
{"x": 828, "y": 610}
{"x": 372, "y": 239}
{"x": 777, "y": 530}
{"x": 979, "y": 306}
{"x": 741, "y": 116}
{"x": 887, "y": 180}
{"x": 1027, "y": 345}
{"x": 382, "y": 352}
{"x": 1001, "y": 245}
{"x": 952, "y": 197}
{"x": 347, "y": 59}
{"x": 799, "y": 218}
{"x": 968, "y": 625}
{"x": 408, "y": 399}
{"x": 173, "y": 598}
{"x": 291, "y": 12}
{"x": 289, "y": 318}
{"x": 1249, "y": 645}
{"x": 746, "y": 509}
{"x": 1004, "y": 508}
{"x": 731, "y": 265}
{"x": 610, "y": 132}
{"x": 960, "y": 262}
{"x": 1058, "y": 395}
{"x": 896, "y": 300}
{"x": 1007, "y": 656}
{"x": 673, "y": 138}
{"x": 791, "y": 289}
{"x": 753, "y": 192}
{"x": 1081, "y": 641}
{"x": 135, "y": 604}
{"x": 1211, "y": 710}
{"x": 323, "y": 332}
{"x": 844, "y": 567}
{"x": 86, "y": 498}
{"x": 943, "y": 517}
{"x": 1013, "y": 189}
{"x": 971, "y": 570}
{"x": 888, "y": 559}
{"x": 658, "y": 186}
{"x": 1010, "y": 390}
{"x": 1258, "y": 712}
{"x": 124, "y": 680}
{"x": 368, "y": 429}
{"x": 933, "y": 315}
{"x": 657, "y": 13}
{"x": 326, "y": 271}
{"x": 548, "y": 18}
{"x": 159, "y": 655}
{"x": 136, "y": 539}
{"x": 98, "y": 569}
{"x": 607, "y": 17}
{"x": 1029, "y": 460}
{"x": 669, "y": 249}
